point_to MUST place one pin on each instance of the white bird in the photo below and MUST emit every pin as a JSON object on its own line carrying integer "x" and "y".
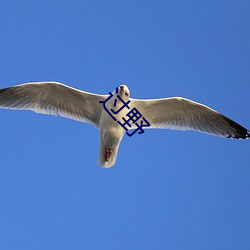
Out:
{"x": 109, "y": 113}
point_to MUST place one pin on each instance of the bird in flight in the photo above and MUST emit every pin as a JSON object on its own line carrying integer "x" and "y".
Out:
{"x": 107, "y": 112}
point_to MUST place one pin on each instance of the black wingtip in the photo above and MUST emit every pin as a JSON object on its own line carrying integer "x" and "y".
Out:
{"x": 3, "y": 90}
{"x": 239, "y": 131}
{"x": 248, "y": 134}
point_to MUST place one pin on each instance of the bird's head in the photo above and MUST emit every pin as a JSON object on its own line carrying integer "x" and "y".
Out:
{"x": 123, "y": 91}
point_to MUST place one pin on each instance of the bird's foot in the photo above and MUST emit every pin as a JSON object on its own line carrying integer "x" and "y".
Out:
{"x": 108, "y": 154}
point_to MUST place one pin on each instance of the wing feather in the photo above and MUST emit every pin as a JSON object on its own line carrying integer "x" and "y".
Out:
{"x": 54, "y": 98}
{"x": 183, "y": 114}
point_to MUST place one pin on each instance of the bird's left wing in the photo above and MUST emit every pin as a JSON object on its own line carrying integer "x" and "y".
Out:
{"x": 54, "y": 98}
{"x": 182, "y": 114}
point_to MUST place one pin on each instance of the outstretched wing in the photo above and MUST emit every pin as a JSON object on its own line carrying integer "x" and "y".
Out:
{"x": 182, "y": 114}
{"x": 54, "y": 98}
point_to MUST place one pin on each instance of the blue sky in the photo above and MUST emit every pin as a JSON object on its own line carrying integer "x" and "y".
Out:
{"x": 169, "y": 189}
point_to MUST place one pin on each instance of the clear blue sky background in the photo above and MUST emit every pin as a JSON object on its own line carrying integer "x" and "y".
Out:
{"x": 169, "y": 189}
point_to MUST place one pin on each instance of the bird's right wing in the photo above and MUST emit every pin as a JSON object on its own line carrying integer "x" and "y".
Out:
{"x": 54, "y": 98}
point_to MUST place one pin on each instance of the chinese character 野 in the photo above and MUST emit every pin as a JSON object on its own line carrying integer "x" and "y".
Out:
{"x": 133, "y": 115}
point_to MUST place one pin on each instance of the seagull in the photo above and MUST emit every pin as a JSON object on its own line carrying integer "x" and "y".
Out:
{"x": 107, "y": 112}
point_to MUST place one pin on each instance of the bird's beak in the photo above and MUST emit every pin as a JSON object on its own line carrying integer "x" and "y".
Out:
{"x": 122, "y": 88}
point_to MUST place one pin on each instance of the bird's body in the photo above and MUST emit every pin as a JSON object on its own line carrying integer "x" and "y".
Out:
{"x": 111, "y": 135}
{"x": 107, "y": 112}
